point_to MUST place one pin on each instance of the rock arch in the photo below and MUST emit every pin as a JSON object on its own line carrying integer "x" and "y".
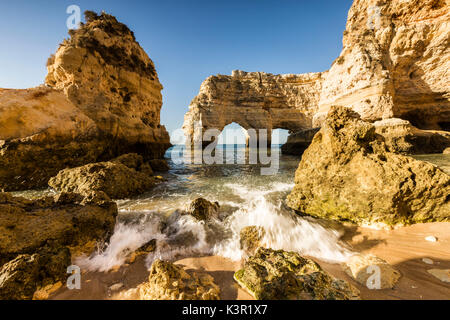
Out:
{"x": 254, "y": 100}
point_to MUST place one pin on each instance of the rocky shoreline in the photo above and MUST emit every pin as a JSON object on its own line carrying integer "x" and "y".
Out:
{"x": 92, "y": 133}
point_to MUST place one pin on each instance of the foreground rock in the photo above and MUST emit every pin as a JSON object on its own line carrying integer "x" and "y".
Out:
{"x": 202, "y": 209}
{"x": 281, "y": 275}
{"x": 118, "y": 178}
{"x": 365, "y": 268}
{"x": 251, "y": 239}
{"x": 168, "y": 281}
{"x": 446, "y": 151}
{"x": 347, "y": 174}
{"x": 441, "y": 274}
{"x": 102, "y": 99}
{"x": 36, "y": 235}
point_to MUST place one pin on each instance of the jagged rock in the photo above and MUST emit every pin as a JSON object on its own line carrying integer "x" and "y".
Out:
{"x": 141, "y": 251}
{"x": 255, "y": 100}
{"x": 168, "y": 281}
{"x": 299, "y": 141}
{"x": 282, "y": 275}
{"x": 362, "y": 269}
{"x": 202, "y": 209}
{"x": 46, "y": 227}
{"x": 250, "y": 239}
{"x": 115, "y": 179}
{"x": 401, "y": 137}
{"x": 102, "y": 99}
{"x": 394, "y": 63}
{"x": 347, "y": 174}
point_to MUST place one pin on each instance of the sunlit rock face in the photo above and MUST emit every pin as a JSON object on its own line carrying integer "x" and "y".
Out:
{"x": 102, "y": 98}
{"x": 255, "y": 100}
{"x": 394, "y": 63}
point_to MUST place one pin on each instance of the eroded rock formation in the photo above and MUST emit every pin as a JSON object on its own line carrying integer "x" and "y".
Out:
{"x": 255, "y": 100}
{"x": 348, "y": 174}
{"x": 102, "y": 99}
{"x": 281, "y": 275}
{"x": 394, "y": 63}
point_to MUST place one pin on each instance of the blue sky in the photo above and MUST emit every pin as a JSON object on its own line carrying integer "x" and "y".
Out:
{"x": 188, "y": 40}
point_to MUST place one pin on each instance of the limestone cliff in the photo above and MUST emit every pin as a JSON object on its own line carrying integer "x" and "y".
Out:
{"x": 255, "y": 100}
{"x": 102, "y": 98}
{"x": 394, "y": 63}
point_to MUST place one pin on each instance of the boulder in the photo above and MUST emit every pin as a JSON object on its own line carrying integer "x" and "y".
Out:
{"x": 281, "y": 275}
{"x": 347, "y": 174}
{"x": 202, "y": 209}
{"x": 251, "y": 239}
{"x": 115, "y": 179}
{"x": 46, "y": 226}
{"x": 19, "y": 277}
{"x": 102, "y": 98}
{"x": 299, "y": 141}
{"x": 365, "y": 269}
{"x": 168, "y": 281}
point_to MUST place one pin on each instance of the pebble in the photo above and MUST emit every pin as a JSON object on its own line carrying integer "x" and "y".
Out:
{"x": 431, "y": 238}
{"x": 116, "y": 286}
{"x": 427, "y": 261}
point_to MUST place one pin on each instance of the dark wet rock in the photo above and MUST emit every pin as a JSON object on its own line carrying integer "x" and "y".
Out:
{"x": 115, "y": 179}
{"x": 160, "y": 165}
{"x": 143, "y": 250}
{"x": 202, "y": 209}
{"x": 18, "y": 278}
{"x": 348, "y": 174}
{"x": 168, "y": 281}
{"x": 299, "y": 141}
{"x": 251, "y": 239}
{"x": 281, "y": 275}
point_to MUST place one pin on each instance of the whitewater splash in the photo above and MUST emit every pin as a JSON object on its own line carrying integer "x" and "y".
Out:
{"x": 180, "y": 236}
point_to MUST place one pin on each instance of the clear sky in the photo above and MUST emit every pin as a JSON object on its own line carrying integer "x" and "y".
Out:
{"x": 188, "y": 40}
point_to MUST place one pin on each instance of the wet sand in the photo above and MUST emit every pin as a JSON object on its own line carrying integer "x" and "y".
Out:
{"x": 403, "y": 248}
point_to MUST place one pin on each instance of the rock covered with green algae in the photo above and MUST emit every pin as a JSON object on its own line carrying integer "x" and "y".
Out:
{"x": 281, "y": 275}
{"x": 251, "y": 239}
{"x": 168, "y": 281}
{"x": 347, "y": 174}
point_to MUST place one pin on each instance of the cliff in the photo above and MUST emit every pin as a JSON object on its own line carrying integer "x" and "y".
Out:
{"x": 102, "y": 98}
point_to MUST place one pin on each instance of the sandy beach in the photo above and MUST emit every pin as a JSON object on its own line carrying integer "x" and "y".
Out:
{"x": 403, "y": 248}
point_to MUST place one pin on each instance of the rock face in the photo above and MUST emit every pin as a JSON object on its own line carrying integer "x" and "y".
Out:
{"x": 401, "y": 137}
{"x": 394, "y": 63}
{"x": 281, "y": 275}
{"x": 255, "y": 100}
{"x": 116, "y": 179}
{"x": 348, "y": 174}
{"x": 168, "y": 281}
{"x": 36, "y": 235}
{"x": 366, "y": 268}
{"x": 102, "y": 99}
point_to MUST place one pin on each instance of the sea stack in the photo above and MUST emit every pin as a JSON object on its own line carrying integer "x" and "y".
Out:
{"x": 101, "y": 99}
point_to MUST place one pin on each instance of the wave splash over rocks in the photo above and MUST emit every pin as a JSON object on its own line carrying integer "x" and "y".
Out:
{"x": 246, "y": 199}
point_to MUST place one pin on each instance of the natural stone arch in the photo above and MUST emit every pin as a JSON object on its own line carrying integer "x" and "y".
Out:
{"x": 254, "y": 100}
